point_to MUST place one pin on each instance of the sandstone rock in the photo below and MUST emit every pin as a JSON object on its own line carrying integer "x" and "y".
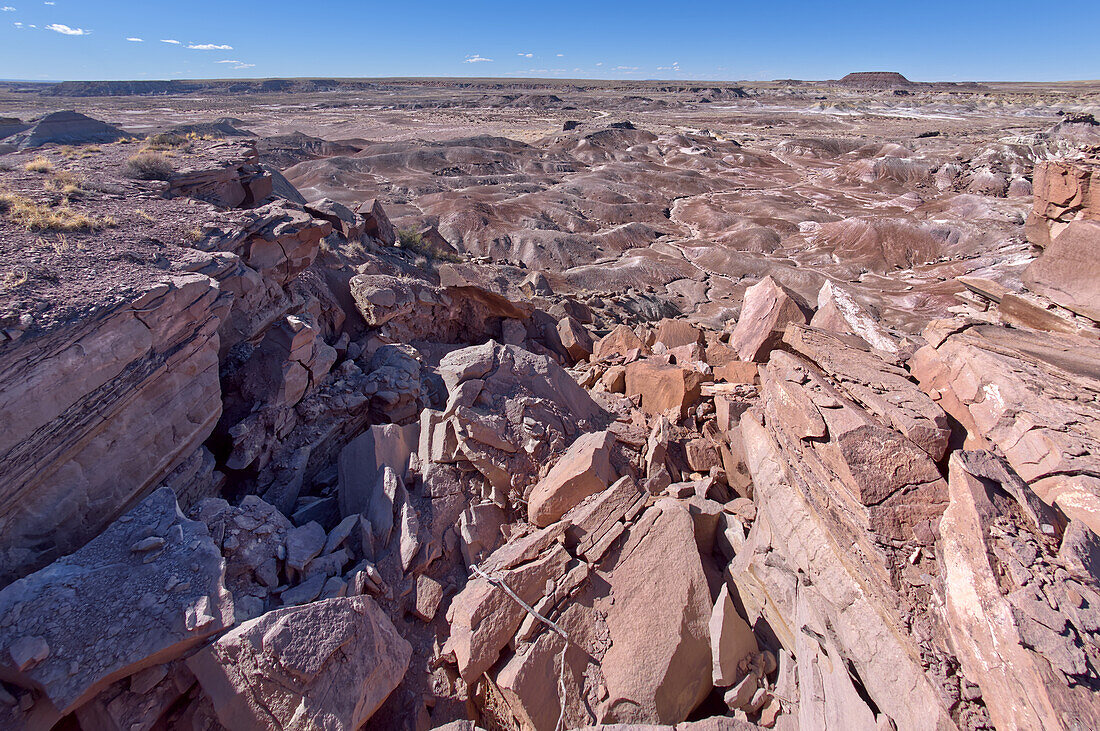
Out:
{"x": 838, "y": 311}
{"x": 376, "y": 223}
{"x": 530, "y": 684}
{"x": 676, "y": 333}
{"x": 327, "y": 665}
{"x": 737, "y": 372}
{"x": 657, "y": 669}
{"x": 151, "y": 367}
{"x": 252, "y": 537}
{"x": 523, "y": 409}
{"x": 585, "y": 469}
{"x": 143, "y": 592}
{"x": 1064, "y": 190}
{"x": 793, "y": 537}
{"x": 596, "y": 516}
{"x": 1025, "y": 312}
{"x": 1008, "y": 637}
{"x": 620, "y": 341}
{"x": 665, "y": 389}
{"x": 361, "y": 469}
{"x": 883, "y": 389}
{"x": 406, "y": 309}
{"x": 575, "y": 339}
{"x": 614, "y": 379}
{"x": 1067, "y": 271}
{"x": 343, "y": 219}
{"x": 484, "y": 618}
{"x": 303, "y": 544}
{"x": 731, "y": 641}
{"x": 429, "y": 593}
{"x": 1018, "y": 390}
{"x": 767, "y": 309}
{"x": 139, "y": 702}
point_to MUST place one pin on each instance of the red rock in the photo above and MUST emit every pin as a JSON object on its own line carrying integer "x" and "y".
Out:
{"x": 1068, "y": 270}
{"x": 731, "y": 641}
{"x": 619, "y": 341}
{"x": 118, "y": 579}
{"x": 765, "y": 312}
{"x": 675, "y": 333}
{"x": 838, "y": 311}
{"x": 665, "y": 389}
{"x": 484, "y": 618}
{"x": 376, "y": 223}
{"x": 1008, "y": 637}
{"x": 657, "y": 669}
{"x": 583, "y": 470}
{"x": 737, "y": 372}
{"x": 330, "y": 664}
{"x": 575, "y": 338}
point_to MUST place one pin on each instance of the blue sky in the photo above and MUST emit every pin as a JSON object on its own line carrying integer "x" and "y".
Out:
{"x": 703, "y": 39}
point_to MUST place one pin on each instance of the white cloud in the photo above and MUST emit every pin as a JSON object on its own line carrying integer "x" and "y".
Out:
{"x": 624, "y": 68}
{"x": 7, "y": 9}
{"x": 526, "y": 55}
{"x": 476, "y": 58}
{"x": 66, "y": 30}
{"x": 208, "y": 47}
{"x": 49, "y": 2}
{"x": 17, "y": 24}
{"x": 238, "y": 64}
{"x": 136, "y": 40}
{"x": 560, "y": 55}
{"x": 600, "y": 63}
{"x": 169, "y": 40}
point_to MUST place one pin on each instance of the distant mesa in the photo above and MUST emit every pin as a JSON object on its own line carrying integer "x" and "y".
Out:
{"x": 65, "y": 128}
{"x": 222, "y": 127}
{"x": 876, "y": 80}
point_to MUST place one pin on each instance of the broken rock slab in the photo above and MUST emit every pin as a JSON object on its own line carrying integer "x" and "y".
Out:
{"x": 664, "y": 389}
{"x": 585, "y": 469}
{"x": 1021, "y": 636}
{"x": 142, "y": 593}
{"x": 658, "y": 668}
{"x": 326, "y": 665}
{"x": 362, "y": 461}
{"x": 767, "y": 309}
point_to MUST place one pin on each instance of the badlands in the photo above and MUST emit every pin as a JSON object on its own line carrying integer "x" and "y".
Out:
{"x": 504, "y": 404}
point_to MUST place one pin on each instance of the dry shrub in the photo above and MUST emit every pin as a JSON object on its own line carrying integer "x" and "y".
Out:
{"x": 38, "y": 165}
{"x": 36, "y": 217}
{"x": 149, "y": 166}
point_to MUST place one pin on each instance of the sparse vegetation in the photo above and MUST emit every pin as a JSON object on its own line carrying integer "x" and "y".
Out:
{"x": 195, "y": 234}
{"x": 149, "y": 166}
{"x": 164, "y": 141}
{"x": 145, "y": 216}
{"x": 39, "y": 165}
{"x": 411, "y": 240}
{"x": 14, "y": 278}
{"x": 34, "y": 216}
{"x": 67, "y": 183}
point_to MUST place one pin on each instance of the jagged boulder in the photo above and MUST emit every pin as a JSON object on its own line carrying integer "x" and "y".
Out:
{"x": 1022, "y": 635}
{"x": 144, "y": 592}
{"x": 658, "y": 668}
{"x": 1020, "y": 391}
{"x": 150, "y": 367}
{"x": 326, "y": 665}
{"x": 766, "y": 310}
{"x": 585, "y": 469}
{"x": 1068, "y": 271}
